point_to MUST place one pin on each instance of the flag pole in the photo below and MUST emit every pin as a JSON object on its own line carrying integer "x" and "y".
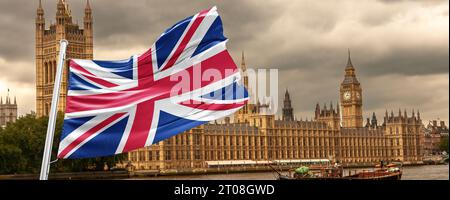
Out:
{"x": 45, "y": 167}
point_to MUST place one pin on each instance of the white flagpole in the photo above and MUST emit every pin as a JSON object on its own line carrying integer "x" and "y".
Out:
{"x": 45, "y": 167}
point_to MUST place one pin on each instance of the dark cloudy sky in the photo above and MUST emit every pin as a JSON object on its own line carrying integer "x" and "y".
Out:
{"x": 399, "y": 48}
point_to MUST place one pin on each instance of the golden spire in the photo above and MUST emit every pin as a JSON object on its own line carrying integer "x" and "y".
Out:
{"x": 349, "y": 61}
{"x": 350, "y": 76}
{"x": 40, "y": 10}
{"x": 243, "y": 66}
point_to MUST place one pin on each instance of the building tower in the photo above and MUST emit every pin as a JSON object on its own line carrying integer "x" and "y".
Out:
{"x": 88, "y": 31}
{"x": 8, "y": 110}
{"x": 243, "y": 114}
{"x": 287, "y": 108}
{"x": 47, "y": 51}
{"x": 351, "y": 98}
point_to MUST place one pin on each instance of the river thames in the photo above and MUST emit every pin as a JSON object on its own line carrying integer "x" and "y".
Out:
{"x": 425, "y": 172}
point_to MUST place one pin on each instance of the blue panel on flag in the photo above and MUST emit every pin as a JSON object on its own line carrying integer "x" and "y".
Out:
{"x": 170, "y": 125}
{"x": 212, "y": 37}
{"x": 104, "y": 144}
{"x": 77, "y": 83}
{"x": 72, "y": 124}
{"x": 122, "y": 68}
{"x": 167, "y": 41}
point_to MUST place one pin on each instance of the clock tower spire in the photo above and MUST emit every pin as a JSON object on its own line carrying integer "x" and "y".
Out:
{"x": 351, "y": 98}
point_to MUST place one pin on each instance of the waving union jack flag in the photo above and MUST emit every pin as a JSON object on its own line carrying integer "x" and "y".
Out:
{"x": 185, "y": 79}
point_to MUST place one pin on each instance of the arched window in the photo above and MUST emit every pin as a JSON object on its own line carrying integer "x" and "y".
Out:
{"x": 45, "y": 72}
{"x": 49, "y": 69}
{"x": 54, "y": 71}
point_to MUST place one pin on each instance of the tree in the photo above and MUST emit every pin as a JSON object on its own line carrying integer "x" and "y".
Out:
{"x": 22, "y": 145}
{"x": 444, "y": 144}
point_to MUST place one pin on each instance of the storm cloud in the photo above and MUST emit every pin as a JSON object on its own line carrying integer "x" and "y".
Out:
{"x": 399, "y": 48}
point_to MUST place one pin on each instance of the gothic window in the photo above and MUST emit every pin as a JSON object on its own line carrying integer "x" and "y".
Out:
{"x": 197, "y": 139}
{"x": 133, "y": 156}
{"x": 168, "y": 155}
{"x": 150, "y": 155}
{"x": 197, "y": 154}
{"x": 45, "y": 72}
{"x": 53, "y": 72}
{"x": 142, "y": 156}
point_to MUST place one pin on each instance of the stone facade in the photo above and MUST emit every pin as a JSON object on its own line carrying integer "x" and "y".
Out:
{"x": 47, "y": 51}
{"x": 257, "y": 136}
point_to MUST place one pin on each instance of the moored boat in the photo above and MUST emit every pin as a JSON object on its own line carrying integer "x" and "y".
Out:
{"x": 392, "y": 171}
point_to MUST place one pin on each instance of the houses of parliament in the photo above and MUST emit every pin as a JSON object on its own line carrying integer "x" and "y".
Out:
{"x": 337, "y": 132}
{"x": 257, "y": 137}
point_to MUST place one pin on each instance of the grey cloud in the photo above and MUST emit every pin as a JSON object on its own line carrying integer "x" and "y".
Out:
{"x": 416, "y": 1}
{"x": 17, "y": 30}
{"x": 148, "y": 20}
{"x": 410, "y": 62}
{"x": 306, "y": 40}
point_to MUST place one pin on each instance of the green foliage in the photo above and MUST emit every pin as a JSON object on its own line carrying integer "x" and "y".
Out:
{"x": 444, "y": 144}
{"x": 22, "y": 145}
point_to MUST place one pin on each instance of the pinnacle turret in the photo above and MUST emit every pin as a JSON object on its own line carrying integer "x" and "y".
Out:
{"x": 40, "y": 21}
{"x": 243, "y": 65}
{"x": 349, "y": 60}
{"x": 40, "y": 10}
{"x": 88, "y": 5}
{"x": 288, "y": 111}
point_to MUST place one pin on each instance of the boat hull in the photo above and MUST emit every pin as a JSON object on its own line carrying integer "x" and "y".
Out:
{"x": 360, "y": 176}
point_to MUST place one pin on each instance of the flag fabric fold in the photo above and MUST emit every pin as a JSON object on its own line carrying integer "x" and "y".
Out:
{"x": 187, "y": 78}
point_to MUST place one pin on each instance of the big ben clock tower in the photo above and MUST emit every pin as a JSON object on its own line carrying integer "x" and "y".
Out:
{"x": 351, "y": 98}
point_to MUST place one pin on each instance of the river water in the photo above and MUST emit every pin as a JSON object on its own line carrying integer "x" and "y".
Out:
{"x": 425, "y": 172}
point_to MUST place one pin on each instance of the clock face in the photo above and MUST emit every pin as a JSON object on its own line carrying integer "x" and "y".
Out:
{"x": 358, "y": 96}
{"x": 347, "y": 95}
